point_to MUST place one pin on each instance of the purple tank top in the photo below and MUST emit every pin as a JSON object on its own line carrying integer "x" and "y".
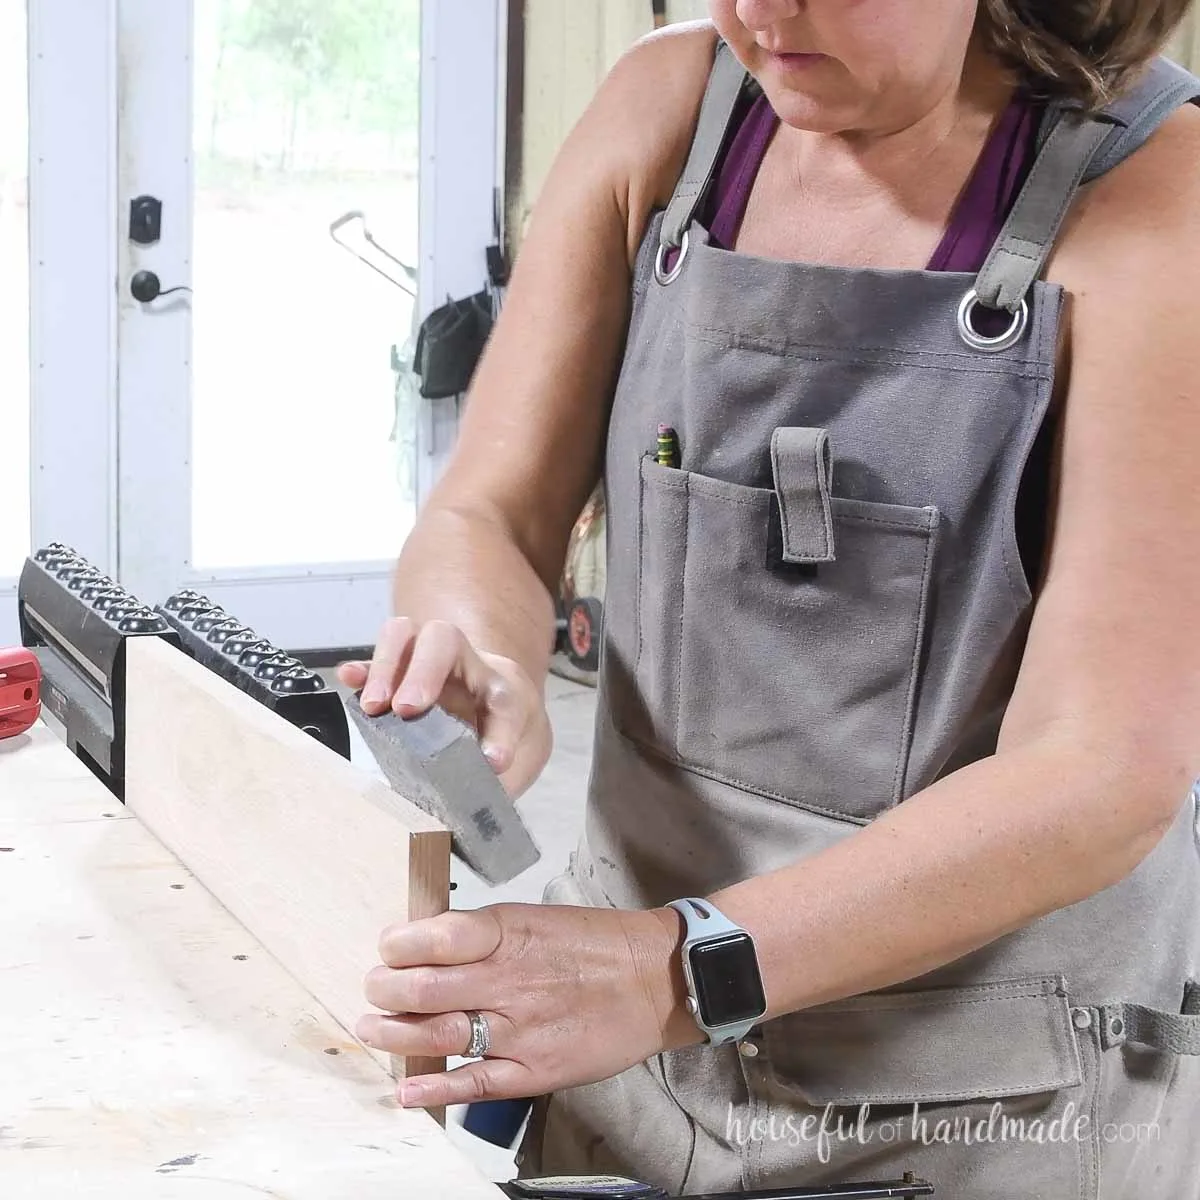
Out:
{"x": 978, "y": 216}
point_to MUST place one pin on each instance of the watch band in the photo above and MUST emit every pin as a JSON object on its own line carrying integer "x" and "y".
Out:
{"x": 703, "y": 922}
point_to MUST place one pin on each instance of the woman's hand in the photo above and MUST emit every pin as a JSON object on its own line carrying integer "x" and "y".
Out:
{"x": 418, "y": 665}
{"x": 571, "y": 995}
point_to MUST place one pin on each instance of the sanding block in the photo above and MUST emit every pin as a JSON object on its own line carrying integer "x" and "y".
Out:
{"x": 435, "y": 762}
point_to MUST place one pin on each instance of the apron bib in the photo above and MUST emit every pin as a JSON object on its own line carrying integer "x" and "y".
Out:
{"x": 818, "y": 613}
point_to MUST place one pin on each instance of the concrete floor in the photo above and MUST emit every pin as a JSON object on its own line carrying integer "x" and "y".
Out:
{"x": 553, "y": 810}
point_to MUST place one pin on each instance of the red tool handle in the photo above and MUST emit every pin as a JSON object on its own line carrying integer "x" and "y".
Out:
{"x": 20, "y": 691}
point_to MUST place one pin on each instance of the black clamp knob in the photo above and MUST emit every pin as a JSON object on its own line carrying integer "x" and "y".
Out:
{"x": 222, "y": 631}
{"x": 298, "y": 680}
{"x": 183, "y": 599}
{"x": 255, "y": 653}
{"x": 273, "y": 665}
{"x": 141, "y": 619}
{"x": 236, "y": 643}
{"x": 71, "y": 570}
{"x": 79, "y": 578}
{"x": 206, "y": 620}
{"x": 105, "y": 598}
{"x": 94, "y": 588}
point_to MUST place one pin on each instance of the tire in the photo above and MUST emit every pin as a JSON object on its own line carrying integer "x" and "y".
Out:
{"x": 585, "y": 620}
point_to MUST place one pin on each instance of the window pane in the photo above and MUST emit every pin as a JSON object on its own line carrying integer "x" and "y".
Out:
{"x": 306, "y": 110}
{"x": 14, "y": 290}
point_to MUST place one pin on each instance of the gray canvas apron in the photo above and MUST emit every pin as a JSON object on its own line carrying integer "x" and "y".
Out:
{"x": 819, "y": 614}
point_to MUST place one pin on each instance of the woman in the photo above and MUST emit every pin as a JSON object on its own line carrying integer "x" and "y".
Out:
{"x": 928, "y": 538}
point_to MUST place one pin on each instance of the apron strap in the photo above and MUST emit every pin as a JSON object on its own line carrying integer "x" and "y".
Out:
{"x": 1019, "y": 255}
{"x": 716, "y": 114}
{"x": 1075, "y": 149}
{"x": 1175, "y": 1033}
{"x": 801, "y": 462}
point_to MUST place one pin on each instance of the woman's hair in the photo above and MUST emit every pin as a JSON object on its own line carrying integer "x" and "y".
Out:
{"x": 1087, "y": 51}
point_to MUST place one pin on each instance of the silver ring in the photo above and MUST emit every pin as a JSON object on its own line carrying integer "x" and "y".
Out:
{"x": 990, "y": 345}
{"x": 481, "y": 1036}
{"x": 660, "y": 260}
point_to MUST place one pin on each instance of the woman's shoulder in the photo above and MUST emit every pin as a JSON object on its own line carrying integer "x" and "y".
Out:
{"x": 1138, "y": 216}
{"x": 667, "y": 70}
{"x": 644, "y": 115}
{"x": 1169, "y": 159}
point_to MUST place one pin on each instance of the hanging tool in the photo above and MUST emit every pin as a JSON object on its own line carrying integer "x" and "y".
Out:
{"x": 405, "y": 280}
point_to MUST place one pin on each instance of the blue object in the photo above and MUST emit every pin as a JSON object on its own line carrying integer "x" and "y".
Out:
{"x": 497, "y": 1121}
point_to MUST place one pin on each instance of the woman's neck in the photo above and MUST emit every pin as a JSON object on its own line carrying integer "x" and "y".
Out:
{"x": 936, "y": 135}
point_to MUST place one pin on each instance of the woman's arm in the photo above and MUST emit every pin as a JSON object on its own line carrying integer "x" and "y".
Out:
{"x": 1100, "y": 743}
{"x": 474, "y": 583}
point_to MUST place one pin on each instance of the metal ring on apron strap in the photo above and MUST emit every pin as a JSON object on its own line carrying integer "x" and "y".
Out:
{"x": 990, "y": 345}
{"x": 660, "y": 261}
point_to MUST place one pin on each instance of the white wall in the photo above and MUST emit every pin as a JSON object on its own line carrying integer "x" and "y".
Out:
{"x": 569, "y": 48}
{"x": 1185, "y": 46}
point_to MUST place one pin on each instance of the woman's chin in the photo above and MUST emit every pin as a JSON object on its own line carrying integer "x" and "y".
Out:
{"x": 813, "y": 110}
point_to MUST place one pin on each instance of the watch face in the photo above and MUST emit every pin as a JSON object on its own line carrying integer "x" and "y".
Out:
{"x": 728, "y": 986}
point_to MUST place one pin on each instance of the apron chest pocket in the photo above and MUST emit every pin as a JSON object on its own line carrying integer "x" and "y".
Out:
{"x": 779, "y": 633}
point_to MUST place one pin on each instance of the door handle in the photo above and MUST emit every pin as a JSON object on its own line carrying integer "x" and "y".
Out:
{"x": 145, "y": 286}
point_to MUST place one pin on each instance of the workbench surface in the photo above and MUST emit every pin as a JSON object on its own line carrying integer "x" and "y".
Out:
{"x": 150, "y": 1049}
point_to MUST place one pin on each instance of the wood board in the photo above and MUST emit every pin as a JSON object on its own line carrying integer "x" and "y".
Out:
{"x": 152, "y": 1048}
{"x": 313, "y": 856}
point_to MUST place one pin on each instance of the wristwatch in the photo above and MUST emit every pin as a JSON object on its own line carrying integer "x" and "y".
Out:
{"x": 720, "y": 969}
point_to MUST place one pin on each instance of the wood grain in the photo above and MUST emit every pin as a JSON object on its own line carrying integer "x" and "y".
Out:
{"x": 152, "y": 1048}
{"x": 313, "y": 856}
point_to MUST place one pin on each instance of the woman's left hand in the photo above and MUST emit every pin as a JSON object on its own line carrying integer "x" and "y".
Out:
{"x": 571, "y": 995}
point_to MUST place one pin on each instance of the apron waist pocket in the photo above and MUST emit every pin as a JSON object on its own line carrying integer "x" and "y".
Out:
{"x": 990, "y": 1040}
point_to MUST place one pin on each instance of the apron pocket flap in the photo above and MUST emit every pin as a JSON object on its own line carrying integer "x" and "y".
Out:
{"x": 987, "y": 1041}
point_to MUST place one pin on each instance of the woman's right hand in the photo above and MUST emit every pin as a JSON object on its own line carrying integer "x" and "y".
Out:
{"x": 417, "y": 665}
